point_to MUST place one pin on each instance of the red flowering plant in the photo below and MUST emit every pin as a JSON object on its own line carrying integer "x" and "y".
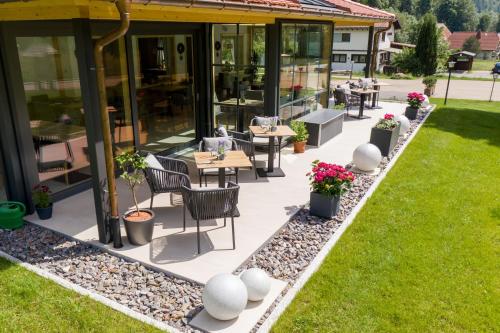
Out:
{"x": 415, "y": 99}
{"x": 41, "y": 195}
{"x": 330, "y": 179}
{"x": 387, "y": 123}
{"x": 296, "y": 87}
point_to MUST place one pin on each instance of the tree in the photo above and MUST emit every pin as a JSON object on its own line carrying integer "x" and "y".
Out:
{"x": 498, "y": 23}
{"x": 424, "y": 6}
{"x": 409, "y": 27}
{"x": 471, "y": 44}
{"x": 427, "y": 43}
{"x": 458, "y": 15}
{"x": 407, "y": 62}
{"x": 487, "y": 22}
{"x": 407, "y": 6}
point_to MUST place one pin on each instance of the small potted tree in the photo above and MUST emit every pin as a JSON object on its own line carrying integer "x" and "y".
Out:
{"x": 300, "y": 137}
{"x": 328, "y": 183}
{"x": 139, "y": 222}
{"x": 42, "y": 199}
{"x": 385, "y": 134}
{"x": 415, "y": 100}
{"x": 430, "y": 85}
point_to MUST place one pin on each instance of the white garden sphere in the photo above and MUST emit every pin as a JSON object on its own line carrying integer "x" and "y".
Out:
{"x": 367, "y": 157}
{"x": 257, "y": 282}
{"x": 426, "y": 102}
{"x": 404, "y": 124}
{"x": 225, "y": 296}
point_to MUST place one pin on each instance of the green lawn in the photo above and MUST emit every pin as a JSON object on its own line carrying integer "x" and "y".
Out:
{"x": 483, "y": 65}
{"x": 30, "y": 303}
{"x": 423, "y": 254}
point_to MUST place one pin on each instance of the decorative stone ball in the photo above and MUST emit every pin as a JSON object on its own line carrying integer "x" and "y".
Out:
{"x": 225, "y": 296}
{"x": 426, "y": 102}
{"x": 404, "y": 124}
{"x": 367, "y": 157}
{"x": 257, "y": 282}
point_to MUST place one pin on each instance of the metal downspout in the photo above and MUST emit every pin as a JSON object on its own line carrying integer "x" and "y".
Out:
{"x": 375, "y": 48}
{"x": 123, "y": 7}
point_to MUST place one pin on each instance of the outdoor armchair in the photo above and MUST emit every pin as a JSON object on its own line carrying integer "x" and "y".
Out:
{"x": 204, "y": 173}
{"x": 243, "y": 142}
{"x": 344, "y": 96}
{"x": 207, "y": 204}
{"x": 262, "y": 143}
{"x": 170, "y": 179}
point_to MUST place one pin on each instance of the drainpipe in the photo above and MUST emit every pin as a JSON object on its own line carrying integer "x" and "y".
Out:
{"x": 375, "y": 48}
{"x": 123, "y": 7}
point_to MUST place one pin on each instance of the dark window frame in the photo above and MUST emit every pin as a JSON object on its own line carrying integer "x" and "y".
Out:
{"x": 337, "y": 58}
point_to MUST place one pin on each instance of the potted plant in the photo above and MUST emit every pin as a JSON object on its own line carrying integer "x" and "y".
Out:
{"x": 430, "y": 85}
{"x": 415, "y": 100}
{"x": 295, "y": 90}
{"x": 300, "y": 137}
{"x": 42, "y": 200}
{"x": 139, "y": 222}
{"x": 385, "y": 134}
{"x": 328, "y": 183}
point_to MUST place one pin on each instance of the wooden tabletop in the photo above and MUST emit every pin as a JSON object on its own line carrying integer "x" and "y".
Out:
{"x": 233, "y": 159}
{"x": 281, "y": 130}
{"x": 362, "y": 91}
{"x": 381, "y": 84}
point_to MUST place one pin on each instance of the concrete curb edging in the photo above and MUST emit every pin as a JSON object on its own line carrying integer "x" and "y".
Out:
{"x": 96, "y": 297}
{"x": 320, "y": 257}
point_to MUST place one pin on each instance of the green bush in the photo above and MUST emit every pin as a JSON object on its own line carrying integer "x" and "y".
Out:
{"x": 300, "y": 129}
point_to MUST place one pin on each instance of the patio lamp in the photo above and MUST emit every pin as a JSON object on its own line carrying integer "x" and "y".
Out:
{"x": 451, "y": 65}
{"x": 495, "y": 76}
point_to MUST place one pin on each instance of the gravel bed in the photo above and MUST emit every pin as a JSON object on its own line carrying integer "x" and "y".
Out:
{"x": 166, "y": 298}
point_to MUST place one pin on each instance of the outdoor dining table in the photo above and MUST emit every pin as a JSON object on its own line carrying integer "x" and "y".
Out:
{"x": 280, "y": 131}
{"x": 363, "y": 94}
{"x": 233, "y": 159}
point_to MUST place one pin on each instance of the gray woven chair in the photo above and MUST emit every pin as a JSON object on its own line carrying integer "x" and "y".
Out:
{"x": 349, "y": 100}
{"x": 244, "y": 143}
{"x": 204, "y": 173}
{"x": 207, "y": 204}
{"x": 170, "y": 180}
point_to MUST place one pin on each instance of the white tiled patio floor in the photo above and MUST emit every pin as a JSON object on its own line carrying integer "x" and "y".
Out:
{"x": 265, "y": 206}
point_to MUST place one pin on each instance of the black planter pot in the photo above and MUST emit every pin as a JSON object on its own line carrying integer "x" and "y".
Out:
{"x": 44, "y": 213}
{"x": 323, "y": 205}
{"x": 139, "y": 233}
{"x": 411, "y": 112}
{"x": 384, "y": 139}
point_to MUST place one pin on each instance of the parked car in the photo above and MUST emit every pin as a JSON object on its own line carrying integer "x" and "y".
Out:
{"x": 496, "y": 69}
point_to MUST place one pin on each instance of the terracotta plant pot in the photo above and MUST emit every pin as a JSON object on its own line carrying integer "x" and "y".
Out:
{"x": 139, "y": 228}
{"x": 299, "y": 147}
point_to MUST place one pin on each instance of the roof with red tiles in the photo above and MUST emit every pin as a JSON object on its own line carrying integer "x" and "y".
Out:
{"x": 360, "y": 9}
{"x": 444, "y": 30}
{"x": 488, "y": 41}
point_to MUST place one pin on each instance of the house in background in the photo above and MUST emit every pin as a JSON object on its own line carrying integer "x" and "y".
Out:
{"x": 489, "y": 42}
{"x": 350, "y": 47}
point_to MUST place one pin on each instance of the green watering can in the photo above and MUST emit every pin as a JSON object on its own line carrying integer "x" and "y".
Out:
{"x": 11, "y": 214}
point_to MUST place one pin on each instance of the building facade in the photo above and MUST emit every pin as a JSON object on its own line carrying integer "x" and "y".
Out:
{"x": 179, "y": 71}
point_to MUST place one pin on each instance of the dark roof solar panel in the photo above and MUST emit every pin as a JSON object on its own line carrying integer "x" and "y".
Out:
{"x": 318, "y": 3}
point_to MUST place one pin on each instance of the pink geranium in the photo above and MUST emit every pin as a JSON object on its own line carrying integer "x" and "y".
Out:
{"x": 330, "y": 179}
{"x": 415, "y": 99}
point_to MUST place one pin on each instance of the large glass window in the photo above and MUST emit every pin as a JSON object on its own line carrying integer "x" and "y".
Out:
{"x": 52, "y": 87}
{"x": 165, "y": 90}
{"x": 305, "y": 57}
{"x": 238, "y": 67}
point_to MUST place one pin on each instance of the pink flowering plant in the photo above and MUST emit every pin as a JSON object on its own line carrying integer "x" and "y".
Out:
{"x": 387, "y": 123}
{"x": 330, "y": 179}
{"x": 415, "y": 99}
{"x": 41, "y": 195}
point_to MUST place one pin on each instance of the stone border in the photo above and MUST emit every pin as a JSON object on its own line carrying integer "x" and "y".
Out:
{"x": 320, "y": 257}
{"x": 85, "y": 292}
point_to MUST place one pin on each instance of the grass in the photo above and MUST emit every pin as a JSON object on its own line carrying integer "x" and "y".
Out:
{"x": 423, "y": 254}
{"x": 483, "y": 65}
{"x": 30, "y": 303}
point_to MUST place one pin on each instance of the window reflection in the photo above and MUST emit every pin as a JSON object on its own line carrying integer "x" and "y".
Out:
{"x": 238, "y": 73}
{"x": 52, "y": 87}
{"x": 305, "y": 54}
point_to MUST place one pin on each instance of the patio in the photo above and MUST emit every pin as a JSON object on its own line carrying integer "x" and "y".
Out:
{"x": 265, "y": 204}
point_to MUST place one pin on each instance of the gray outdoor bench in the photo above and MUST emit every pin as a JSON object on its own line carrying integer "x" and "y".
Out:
{"x": 323, "y": 125}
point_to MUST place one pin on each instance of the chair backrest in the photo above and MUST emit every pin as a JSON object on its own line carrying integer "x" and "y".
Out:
{"x": 257, "y": 121}
{"x": 174, "y": 175}
{"x": 257, "y": 95}
{"x": 202, "y": 147}
{"x": 207, "y": 204}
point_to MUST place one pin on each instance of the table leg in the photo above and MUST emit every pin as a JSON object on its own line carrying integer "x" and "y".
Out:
{"x": 361, "y": 105}
{"x": 222, "y": 177}
{"x": 271, "y": 171}
{"x": 374, "y": 99}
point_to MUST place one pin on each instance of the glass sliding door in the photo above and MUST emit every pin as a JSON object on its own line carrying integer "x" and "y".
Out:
{"x": 3, "y": 186}
{"x": 52, "y": 89}
{"x": 238, "y": 69}
{"x": 164, "y": 81}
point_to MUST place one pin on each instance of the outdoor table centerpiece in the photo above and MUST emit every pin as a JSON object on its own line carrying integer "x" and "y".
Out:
{"x": 415, "y": 100}
{"x": 139, "y": 222}
{"x": 328, "y": 183}
{"x": 385, "y": 134}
